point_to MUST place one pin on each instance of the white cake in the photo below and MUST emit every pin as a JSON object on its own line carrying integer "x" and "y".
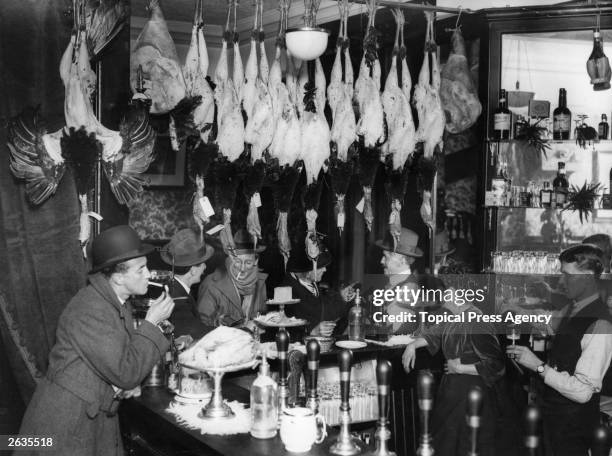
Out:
{"x": 282, "y": 294}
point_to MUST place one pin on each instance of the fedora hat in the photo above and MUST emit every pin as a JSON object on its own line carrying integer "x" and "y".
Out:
{"x": 186, "y": 249}
{"x": 115, "y": 245}
{"x": 299, "y": 261}
{"x": 243, "y": 244}
{"x": 442, "y": 244}
{"x": 407, "y": 244}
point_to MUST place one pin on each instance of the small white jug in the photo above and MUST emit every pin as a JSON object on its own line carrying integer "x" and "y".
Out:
{"x": 300, "y": 428}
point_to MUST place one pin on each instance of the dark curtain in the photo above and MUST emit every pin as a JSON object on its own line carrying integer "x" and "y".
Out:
{"x": 41, "y": 265}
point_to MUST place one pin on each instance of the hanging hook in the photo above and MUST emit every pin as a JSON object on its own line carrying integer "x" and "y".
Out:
{"x": 458, "y": 17}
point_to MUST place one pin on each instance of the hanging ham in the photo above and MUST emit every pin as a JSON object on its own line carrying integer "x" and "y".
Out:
{"x": 457, "y": 91}
{"x": 155, "y": 52}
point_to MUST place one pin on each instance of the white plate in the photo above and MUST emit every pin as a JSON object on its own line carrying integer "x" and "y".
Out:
{"x": 351, "y": 344}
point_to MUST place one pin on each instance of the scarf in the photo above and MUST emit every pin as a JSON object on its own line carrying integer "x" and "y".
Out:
{"x": 245, "y": 281}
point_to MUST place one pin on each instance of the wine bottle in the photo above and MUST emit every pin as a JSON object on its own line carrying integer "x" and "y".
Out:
{"x": 562, "y": 118}
{"x": 560, "y": 186}
{"x": 598, "y": 66}
{"x": 603, "y": 128}
{"x": 501, "y": 118}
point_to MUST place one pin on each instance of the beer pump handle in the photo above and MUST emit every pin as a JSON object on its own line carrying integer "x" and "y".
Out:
{"x": 601, "y": 442}
{"x": 383, "y": 378}
{"x": 425, "y": 386}
{"x": 345, "y": 357}
{"x": 282, "y": 346}
{"x": 532, "y": 428}
{"x": 313, "y": 355}
{"x": 474, "y": 411}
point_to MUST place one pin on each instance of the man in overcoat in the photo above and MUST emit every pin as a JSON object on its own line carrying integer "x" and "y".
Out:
{"x": 99, "y": 356}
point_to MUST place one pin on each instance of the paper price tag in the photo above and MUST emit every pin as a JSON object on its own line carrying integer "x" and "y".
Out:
{"x": 360, "y": 205}
{"x": 340, "y": 223}
{"x": 206, "y": 207}
{"x": 257, "y": 199}
{"x": 214, "y": 230}
{"x": 95, "y": 215}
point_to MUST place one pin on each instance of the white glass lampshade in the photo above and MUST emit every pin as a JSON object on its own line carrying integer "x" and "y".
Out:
{"x": 306, "y": 43}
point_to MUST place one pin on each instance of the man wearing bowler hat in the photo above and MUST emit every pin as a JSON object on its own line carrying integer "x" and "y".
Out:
{"x": 186, "y": 254}
{"x": 99, "y": 357}
{"x": 234, "y": 293}
{"x": 396, "y": 262}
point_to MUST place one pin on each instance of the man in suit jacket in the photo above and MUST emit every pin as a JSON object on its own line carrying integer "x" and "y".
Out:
{"x": 325, "y": 310}
{"x": 235, "y": 293}
{"x": 99, "y": 358}
{"x": 186, "y": 254}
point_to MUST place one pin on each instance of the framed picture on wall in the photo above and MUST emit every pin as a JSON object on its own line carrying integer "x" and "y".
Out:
{"x": 168, "y": 166}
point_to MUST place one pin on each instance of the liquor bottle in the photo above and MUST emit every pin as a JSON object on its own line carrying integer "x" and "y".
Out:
{"x": 264, "y": 402}
{"x": 562, "y": 118}
{"x": 560, "y": 186}
{"x": 603, "y": 128}
{"x": 598, "y": 66}
{"x": 546, "y": 195}
{"x": 519, "y": 125}
{"x": 501, "y": 118}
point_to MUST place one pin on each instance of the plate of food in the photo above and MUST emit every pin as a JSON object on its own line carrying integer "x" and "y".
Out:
{"x": 351, "y": 344}
{"x": 224, "y": 349}
{"x": 279, "y": 320}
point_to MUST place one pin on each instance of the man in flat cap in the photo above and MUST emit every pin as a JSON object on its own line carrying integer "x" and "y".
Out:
{"x": 99, "y": 356}
{"x": 186, "y": 255}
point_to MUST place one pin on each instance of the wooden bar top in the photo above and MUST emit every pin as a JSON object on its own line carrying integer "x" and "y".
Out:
{"x": 148, "y": 425}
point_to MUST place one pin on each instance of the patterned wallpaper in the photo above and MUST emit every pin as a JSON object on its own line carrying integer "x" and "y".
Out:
{"x": 158, "y": 214}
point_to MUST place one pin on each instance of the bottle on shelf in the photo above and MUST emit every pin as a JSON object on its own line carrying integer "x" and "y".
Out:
{"x": 546, "y": 195}
{"x": 519, "y": 125}
{"x": 562, "y": 118}
{"x": 560, "y": 186}
{"x": 502, "y": 118}
{"x": 603, "y": 128}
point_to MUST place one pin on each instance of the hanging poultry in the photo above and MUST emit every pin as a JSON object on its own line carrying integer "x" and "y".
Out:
{"x": 401, "y": 132}
{"x": 194, "y": 72}
{"x": 367, "y": 87}
{"x": 427, "y": 97}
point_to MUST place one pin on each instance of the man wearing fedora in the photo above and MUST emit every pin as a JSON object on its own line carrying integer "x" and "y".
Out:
{"x": 186, "y": 254}
{"x": 396, "y": 263}
{"x": 235, "y": 292}
{"x": 99, "y": 356}
{"x": 326, "y": 310}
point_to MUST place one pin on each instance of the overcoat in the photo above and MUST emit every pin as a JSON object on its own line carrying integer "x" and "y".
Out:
{"x": 218, "y": 297}
{"x": 185, "y": 314}
{"x": 97, "y": 347}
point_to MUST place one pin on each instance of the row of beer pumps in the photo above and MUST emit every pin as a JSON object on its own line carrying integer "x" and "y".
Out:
{"x": 347, "y": 445}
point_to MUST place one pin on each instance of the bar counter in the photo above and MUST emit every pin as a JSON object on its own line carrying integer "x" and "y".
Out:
{"x": 149, "y": 430}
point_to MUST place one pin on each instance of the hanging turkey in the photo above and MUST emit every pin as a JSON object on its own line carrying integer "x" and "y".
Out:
{"x": 194, "y": 72}
{"x": 401, "y": 132}
{"x": 457, "y": 91}
{"x": 371, "y": 123}
{"x": 427, "y": 96}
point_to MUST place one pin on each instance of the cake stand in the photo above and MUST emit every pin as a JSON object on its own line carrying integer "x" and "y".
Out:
{"x": 217, "y": 408}
{"x": 281, "y": 305}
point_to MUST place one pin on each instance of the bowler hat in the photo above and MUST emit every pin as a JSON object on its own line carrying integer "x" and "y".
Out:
{"x": 299, "y": 261}
{"x": 116, "y": 244}
{"x": 185, "y": 249}
{"x": 243, "y": 244}
{"x": 407, "y": 244}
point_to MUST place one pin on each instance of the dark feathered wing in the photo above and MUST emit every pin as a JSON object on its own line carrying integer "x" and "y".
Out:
{"x": 104, "y": 20}
{"x": 29, "y": 158}
{"x": 124, "y": 172}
